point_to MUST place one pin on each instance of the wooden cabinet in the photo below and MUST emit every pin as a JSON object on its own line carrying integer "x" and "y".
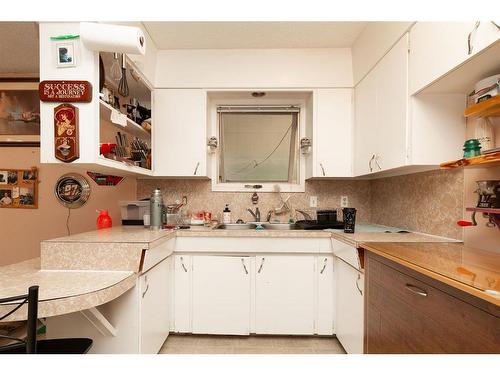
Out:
{"x": 349, "y": 317}
{"x": 325, "y": 271}
{"x": 407, "y": 312}
{"x": 332, "y": 133}
{"x": 284, "y": 294}
{"x": 155, "y": 289}
{"x": 446, "y": 45}
{"x": 180, "y": 135}
{"x": 221, "y": 294}
{"x": 381, "y": 101}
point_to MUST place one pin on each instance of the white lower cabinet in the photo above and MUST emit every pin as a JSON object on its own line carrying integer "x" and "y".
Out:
{"x": 349, "y": 321}
{"x": 284, "y": 294}
{"x": 155, "y": 310}
{"x": 221, "y": 295}
{"x": 325, "y": 295}
{"x": 182, "y": 293}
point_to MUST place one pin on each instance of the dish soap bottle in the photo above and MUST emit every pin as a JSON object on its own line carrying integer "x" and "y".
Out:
{"x": 226, "y": 215}
{"x": 104, "y": 220}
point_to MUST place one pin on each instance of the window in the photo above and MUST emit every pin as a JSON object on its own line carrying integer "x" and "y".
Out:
{"x": 258, "y": 144}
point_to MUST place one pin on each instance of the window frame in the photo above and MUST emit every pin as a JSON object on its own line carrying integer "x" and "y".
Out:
{"x": 297, "y": 187}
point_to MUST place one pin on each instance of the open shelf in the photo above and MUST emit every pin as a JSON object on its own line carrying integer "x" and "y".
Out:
{"x": 488, "y": 108}
{"x": 478, "y": 161}
{"x": 131, "y": 127}
{"x": 124, "y": 167}
{"x": 485, "y": 210}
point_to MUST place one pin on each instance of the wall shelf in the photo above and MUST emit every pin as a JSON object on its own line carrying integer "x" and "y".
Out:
{"x": 488, "y": 108}
{"x": 130, "y": 126}
{"x": 495, "y": 211}
{"x": 492, "y": 159}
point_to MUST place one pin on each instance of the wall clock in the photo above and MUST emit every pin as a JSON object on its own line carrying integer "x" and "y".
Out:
{"x": 72, "y": 190}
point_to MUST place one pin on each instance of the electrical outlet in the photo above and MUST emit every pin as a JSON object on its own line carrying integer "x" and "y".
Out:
{"x": 344, "y": 201}
{"x": 313, "y": 201}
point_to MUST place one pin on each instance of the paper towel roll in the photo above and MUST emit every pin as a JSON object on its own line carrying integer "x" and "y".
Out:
{"x": 112, "y": 38}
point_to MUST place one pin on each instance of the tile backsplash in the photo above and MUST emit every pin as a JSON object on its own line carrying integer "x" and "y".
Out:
{"x": 428, "y": 202}
{"x": 200, "y": 197}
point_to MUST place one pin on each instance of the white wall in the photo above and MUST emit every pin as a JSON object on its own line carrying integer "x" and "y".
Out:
{"x": 373, "y": 43}
{"x": 254, "y": 68}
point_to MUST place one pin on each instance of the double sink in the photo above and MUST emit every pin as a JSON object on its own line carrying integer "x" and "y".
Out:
{"x": 253, "y": 226}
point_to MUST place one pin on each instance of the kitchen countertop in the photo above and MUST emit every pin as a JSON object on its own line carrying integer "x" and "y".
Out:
{"x": 356, "y": 239}
{"x": 61, "y": 292}
{"x": 471, "y": 270}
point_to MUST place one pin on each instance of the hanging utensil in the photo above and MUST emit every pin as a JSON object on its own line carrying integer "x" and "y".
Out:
{"x": 123, "y": 85}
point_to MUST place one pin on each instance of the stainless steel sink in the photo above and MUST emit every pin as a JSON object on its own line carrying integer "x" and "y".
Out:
{"x": 279, "y": 226}
{"x": 246, "y": 226}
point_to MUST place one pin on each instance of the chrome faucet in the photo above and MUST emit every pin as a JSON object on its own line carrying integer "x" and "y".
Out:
{"x": 255, "y": 215}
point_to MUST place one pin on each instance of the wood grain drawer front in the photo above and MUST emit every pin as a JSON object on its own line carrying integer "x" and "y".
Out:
{"x": 406, "y": 315}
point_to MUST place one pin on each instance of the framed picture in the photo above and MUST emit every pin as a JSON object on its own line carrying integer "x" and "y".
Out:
{"x": 19, "y": 113}
{"x": 19, "y": 188}
{"x": 66, "y": 54}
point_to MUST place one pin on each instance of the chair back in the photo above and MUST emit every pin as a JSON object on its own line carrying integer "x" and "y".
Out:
{"x": 32, "y": 299}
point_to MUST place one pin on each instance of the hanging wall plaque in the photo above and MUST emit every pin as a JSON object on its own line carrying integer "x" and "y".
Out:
{"x": 65, "y": 91}
{"x": 66, "y": 133}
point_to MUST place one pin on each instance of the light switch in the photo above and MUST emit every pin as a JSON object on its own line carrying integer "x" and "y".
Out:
{"x": 313, "y": 201}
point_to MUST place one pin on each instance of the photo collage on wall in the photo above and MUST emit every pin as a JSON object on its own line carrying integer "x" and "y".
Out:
{"x": 19, "y": 188}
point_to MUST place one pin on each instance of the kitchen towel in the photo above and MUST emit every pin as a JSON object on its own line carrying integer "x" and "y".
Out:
{"x": 112, "y": 38}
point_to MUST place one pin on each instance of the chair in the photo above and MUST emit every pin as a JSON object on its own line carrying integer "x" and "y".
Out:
{"x": 30, "y": 345}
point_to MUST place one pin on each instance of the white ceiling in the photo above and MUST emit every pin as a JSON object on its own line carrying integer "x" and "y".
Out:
{"x": 242, "y": 35}
{"x": 19, "y": 47}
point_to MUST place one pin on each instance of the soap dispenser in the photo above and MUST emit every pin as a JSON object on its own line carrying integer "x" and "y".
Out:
{"x": 226, "y": 215}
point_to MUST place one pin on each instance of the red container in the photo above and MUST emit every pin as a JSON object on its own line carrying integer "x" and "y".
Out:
{"x": 104, "y": 220}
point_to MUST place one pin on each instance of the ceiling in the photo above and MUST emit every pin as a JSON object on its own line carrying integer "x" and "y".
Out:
{"x": 243, "y": 35}
{"x": 19, "y": 47}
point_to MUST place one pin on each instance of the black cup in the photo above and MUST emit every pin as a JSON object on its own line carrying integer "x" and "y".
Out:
{"x": 349, "y": 215}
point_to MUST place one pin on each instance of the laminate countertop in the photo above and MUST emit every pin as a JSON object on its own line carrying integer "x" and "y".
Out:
{"x": 471, "y": 270}
{"x": 61, "y": 292}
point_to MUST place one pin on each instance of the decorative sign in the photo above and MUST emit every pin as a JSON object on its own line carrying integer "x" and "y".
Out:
{"x": 72, "y": 190}
{"x": 66, "y": 133}
{"x": 65, "y": 91}
{"x": 105, "y": 179}
{"x": 19, "y": 188}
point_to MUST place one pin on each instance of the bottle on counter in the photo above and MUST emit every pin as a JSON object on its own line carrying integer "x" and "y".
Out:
{"x": 156, "y": 210}
{"x": 226, "y": 215}
{"x": 104, "y": 220}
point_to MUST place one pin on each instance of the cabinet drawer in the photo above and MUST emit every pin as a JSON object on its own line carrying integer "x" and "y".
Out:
{"x": 405, "y": 314}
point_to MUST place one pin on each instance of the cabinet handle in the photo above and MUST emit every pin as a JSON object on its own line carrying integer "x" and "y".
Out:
{"x": 261, "y": 265}
{"x": 147, "y": 286}
{"x": 376, "y": 162}
{"x": 370, "y": 163}
{"x": 196, "y": 168}
{"x": 244, "y": 265}
{"x": 324, "y": 266}
{"x": 322, "y": 169}
{"x": 469, "y": 38}
{"x": 416, "y": 290}
{"x": 182, "y": 264}
{"x": 357, "y": 285}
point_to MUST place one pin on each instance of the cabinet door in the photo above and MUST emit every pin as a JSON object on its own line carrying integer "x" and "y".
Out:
{"x": 155, "y": 309}
{"x": 179, "y": 134}
{"x": 332, "y": 138}
{"x": 326, "y": 295}
{"x": 182, "y": 293}
{"x": 365, "y": 126}
{"x": 349, "y": 304}
{"x": 391, "y": 107}
{"x": 436, "y": 48}
{"x": 221, "y": 295}
{"x": 284, "y": 294}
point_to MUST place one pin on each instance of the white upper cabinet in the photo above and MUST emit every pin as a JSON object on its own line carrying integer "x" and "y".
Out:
{"x": 332, "y": 133}
{"x": 180, "y": 136}
{"x": 381, "y": 101}
{"x": 439, "y": 47}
